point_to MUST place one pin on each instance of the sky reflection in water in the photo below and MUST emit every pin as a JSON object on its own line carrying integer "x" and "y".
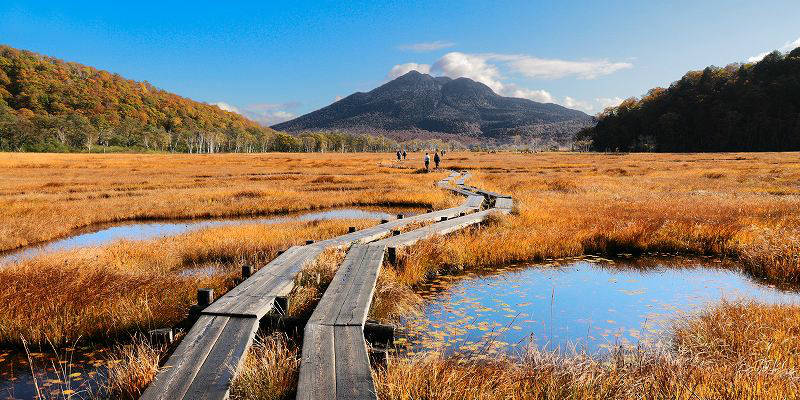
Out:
{"x": 590, "y": 305}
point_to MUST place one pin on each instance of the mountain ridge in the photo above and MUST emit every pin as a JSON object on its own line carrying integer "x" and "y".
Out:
{"x": 462, "y": 106}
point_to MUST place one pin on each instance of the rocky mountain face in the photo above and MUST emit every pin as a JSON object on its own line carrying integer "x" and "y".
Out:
{"x": 463, "y": 107}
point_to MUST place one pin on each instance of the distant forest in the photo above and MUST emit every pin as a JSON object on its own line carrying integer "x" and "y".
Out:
{"x": 50, "y": 105}
{"x": 741, "y": 107}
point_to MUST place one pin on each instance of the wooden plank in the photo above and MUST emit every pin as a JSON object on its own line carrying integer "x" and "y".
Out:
{"x": 256, "y": 298}
{"x": 267, "y": 273}
{"x": 353, "y": 375}
{"x": 329, "y": 305}
{"x": 182, "y": 367}
{"x": 227, "y": 355}
{"x": 440, "y": 228}
{"x": 503, "y": 202}
{"x": 356, "y": 305}
{"x": 317, "y": 365}
{"x": 474, "y": 201}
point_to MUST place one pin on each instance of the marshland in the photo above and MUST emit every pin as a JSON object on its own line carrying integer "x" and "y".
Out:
{"x": 709, "y": 242}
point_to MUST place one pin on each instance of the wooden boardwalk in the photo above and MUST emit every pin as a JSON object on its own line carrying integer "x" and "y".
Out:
{"x": 335, "y": 362}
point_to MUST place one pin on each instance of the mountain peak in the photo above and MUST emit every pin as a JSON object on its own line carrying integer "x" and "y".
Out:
{"x": 462, "y": 106}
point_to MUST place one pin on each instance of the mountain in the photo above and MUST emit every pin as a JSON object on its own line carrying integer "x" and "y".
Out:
{"x": 50, "y": 105}
{"x": 742, "y": 107}
{"x": 417, "y": 101}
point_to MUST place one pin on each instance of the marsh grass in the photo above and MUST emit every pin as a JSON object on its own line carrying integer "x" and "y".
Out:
{"x": 270, "y": 370}
{"x": 311, "y": 282}
{"x": 47, "y": 196}
{"x": 732, "y": 351}
{"x": 131, "y": 286}
{"x": 131, "y": 368}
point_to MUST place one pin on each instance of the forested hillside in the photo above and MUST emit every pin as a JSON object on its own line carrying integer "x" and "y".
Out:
{"x": 741, "y": 107}
{"x": 51, "y": 105}
{"x": 48, "y": 104}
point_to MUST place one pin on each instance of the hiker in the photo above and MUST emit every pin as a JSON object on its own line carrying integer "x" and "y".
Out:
{"x": 398, "y": 155}
{"x": 436, "y": 159}
{"x": 427, "y": 162}
{"x": 404, "y": 154}
{"x": 443, "y": 151}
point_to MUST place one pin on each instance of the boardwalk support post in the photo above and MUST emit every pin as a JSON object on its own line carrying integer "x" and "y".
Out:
{"x": 399, "y": 216}
{"x": 351, "y": 229}
{"x": 205, "y": 297}
{"x": 247, "y": 271}
{"x": 392, "y": 251}
{"x": 309, "y": 242}
{"x": 161, "y": 336}
{"x": 443, "y": 219}
{"x": 396, "y": 232}
{"x": 378, "y": 334}
{"x": 383, "y": 221}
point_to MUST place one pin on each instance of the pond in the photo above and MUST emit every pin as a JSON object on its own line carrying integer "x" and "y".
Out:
{"x": 74, "y": 372}
{"x": 108, "y": 233}
{"x": 589, "y": 305}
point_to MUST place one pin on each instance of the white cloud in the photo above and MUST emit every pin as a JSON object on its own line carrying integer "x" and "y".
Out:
{"x": 605, "y": 102}
{"x": 475, "y": 67}
{"x": 494, "y": 69}
{"x": 542, "y": 68}
{"x": 788, "y": 46}
{"x": 540, "y": 95}
{"x": 584, "y": 106}
{"x": 427, "y": 46}
{"x": 265, "y": 113}
{"x": 402, "y": 69}
{"x": 226, "y": 107}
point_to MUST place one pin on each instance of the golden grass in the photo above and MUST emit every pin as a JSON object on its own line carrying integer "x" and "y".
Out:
{"x": 270, "y": 370}
{"x": 746, "y": 206}
{"x": 46, "y": 196}
{"x": 715, "y": 359}
{"x": 575, "y": 204}
{"x": 127, "y": 286}
{"x": 131, "y": 368}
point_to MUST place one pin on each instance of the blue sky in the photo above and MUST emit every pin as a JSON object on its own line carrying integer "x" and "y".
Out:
{"x": 274, "y": 60}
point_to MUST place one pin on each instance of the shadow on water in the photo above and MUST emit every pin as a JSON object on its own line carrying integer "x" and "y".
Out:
{"x": 590, "y": 304}
{"x": 107, "y": 233}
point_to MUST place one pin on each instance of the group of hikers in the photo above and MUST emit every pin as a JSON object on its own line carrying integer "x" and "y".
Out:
{"x": 436, "y": 158}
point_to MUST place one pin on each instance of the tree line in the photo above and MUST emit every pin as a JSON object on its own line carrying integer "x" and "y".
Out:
{"x": 741, "y": 107}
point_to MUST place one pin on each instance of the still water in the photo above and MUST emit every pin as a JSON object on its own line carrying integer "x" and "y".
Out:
{"x": 152, "y": 230}
{"x": 589, "y": 305}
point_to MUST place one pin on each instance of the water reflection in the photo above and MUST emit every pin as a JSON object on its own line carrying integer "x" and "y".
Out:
{"x": 74, "y": 372}
{"x": 152, "y": 230}
{"x": 589, "y": 305}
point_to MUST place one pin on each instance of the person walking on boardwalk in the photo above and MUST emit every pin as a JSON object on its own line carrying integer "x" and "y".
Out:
{"x": 404, "y": 154}
{"x": 436, "y": 159}
{"x": 427, "y": 162}
{"x": 398, "y": 155}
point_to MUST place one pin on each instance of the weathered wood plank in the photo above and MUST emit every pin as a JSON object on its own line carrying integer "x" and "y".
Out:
{"x": 353, "y": 375}
{"x": 255, "y": 297}
{"x": 180, "y": 370}
{"x": 267, "y": 273}
{"x": 474, "y": 201}
{"x": 440, "y": 228}
{"x": 503, "y": 202}
{"x": 317, "y": 379}
{"x": 356, "y": 305}
{"x": 214, "y": 377}
{"x": 328, "y": 307}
